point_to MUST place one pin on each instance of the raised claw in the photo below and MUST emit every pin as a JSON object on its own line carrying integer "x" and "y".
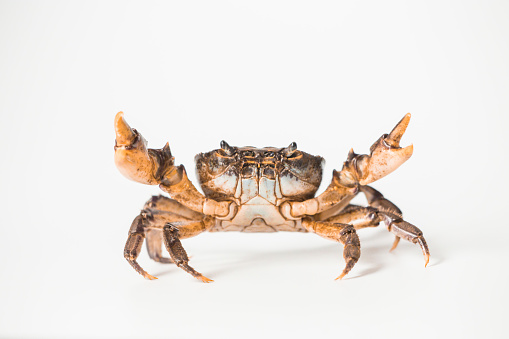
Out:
{"x": 397, "y": 132}
{"x": 386, "y": 155}
{"x": 125, "y": 135}
{"x": 132, "y": 157}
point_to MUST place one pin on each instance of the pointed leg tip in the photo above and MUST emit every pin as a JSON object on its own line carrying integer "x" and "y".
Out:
{"x": 205, "y": 279}
{"x": 149, "y": 277}
{"x": 341, "y": 276}
{"x": 426, "y": 260}
{"x": 395, "y": 244}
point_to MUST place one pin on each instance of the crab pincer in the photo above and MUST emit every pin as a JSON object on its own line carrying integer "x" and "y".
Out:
{"x": 386, "y": 155}
{"x": 132, "y": 157}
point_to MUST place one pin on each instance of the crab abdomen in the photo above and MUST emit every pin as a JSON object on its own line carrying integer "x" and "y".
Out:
{"x": 258, "y": 215}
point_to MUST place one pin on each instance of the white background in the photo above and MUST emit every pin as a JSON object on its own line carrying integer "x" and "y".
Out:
{"x": 329, "y": 75}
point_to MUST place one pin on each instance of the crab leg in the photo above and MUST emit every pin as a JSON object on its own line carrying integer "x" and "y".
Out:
{"x": 150, "y": 224}
{"x": 343, "y": 233}
{"x": 357, "y": 216}
{"x": 156, "y": 167}
{"x": 385, "y": 157}
{"x": 154, "y": 242}
{"x": 393, "y": 218}
{"x": 381, "y": 209}
{"x": 133, "y": 245}
{"x": 172, "y": 233}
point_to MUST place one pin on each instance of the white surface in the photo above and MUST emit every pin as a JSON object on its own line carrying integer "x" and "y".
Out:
{"x": 328, "y": 75}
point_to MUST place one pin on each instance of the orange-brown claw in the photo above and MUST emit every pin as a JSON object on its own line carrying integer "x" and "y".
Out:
{"x": 386, "y": 154}
{"x": 397, "y": 132}
{"x": 385, "y": 157}
{"x": 125, "y": 135}
{"x": 132, "y": 157}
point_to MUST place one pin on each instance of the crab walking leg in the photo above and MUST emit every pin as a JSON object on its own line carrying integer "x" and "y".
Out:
{"x": 149, "y": 225}
{"x": 357, "y": 216}
{"x": 377, "y": 200}
{"x": 156, "y": 167}
{"x": 359, "y": 169}
{"x": 162, "y": 203}
{"x": 154, "y": 240}
{"x": 343, "y": 233}
{"x": 173, "y": 232}
{"x": 393, "y": 218}
{"x": 164, "y": 210}
{"x": 133, "y": 245}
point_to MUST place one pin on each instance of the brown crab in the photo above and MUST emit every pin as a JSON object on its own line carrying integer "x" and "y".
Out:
{"x": 252, "y": 189}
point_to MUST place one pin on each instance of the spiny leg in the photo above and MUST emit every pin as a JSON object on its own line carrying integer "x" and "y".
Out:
{"x": 133, "y": 245}
{"x": 149, "y": 224}
{"x": 163, "y": 210}
{"x": 393, "y": 218}
{"x": 173, "y": 232}
{"x": 381, "y": 209}
{"x": 343, "y": 233}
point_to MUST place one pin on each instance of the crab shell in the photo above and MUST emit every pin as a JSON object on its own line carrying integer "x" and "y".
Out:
{"x": 259, "y": 180}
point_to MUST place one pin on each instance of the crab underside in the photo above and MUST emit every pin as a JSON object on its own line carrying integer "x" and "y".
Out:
{"x": 252, "y": 189}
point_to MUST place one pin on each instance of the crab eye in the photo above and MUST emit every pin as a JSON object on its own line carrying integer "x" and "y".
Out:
{"x": 227, "y": 149}
{"x": 291, "y": 150}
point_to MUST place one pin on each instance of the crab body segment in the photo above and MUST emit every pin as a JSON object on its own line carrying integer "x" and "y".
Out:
{"x": 252, "y": 189}
{"x": 258, "y": 180}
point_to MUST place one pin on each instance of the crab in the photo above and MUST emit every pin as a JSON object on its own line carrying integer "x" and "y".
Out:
{"x": 251, "y": 189}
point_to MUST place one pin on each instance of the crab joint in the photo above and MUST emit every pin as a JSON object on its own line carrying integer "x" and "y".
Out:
{"x": 224, "y": 210}
{"x": 295, "y": 210}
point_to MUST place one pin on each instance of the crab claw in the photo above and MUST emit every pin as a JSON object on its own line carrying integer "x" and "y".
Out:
{"x": 386, "y": 154}
{"x": 125, "y": 135}
{"x": 131, "y": 155}
{"x": 397, "y": 132}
